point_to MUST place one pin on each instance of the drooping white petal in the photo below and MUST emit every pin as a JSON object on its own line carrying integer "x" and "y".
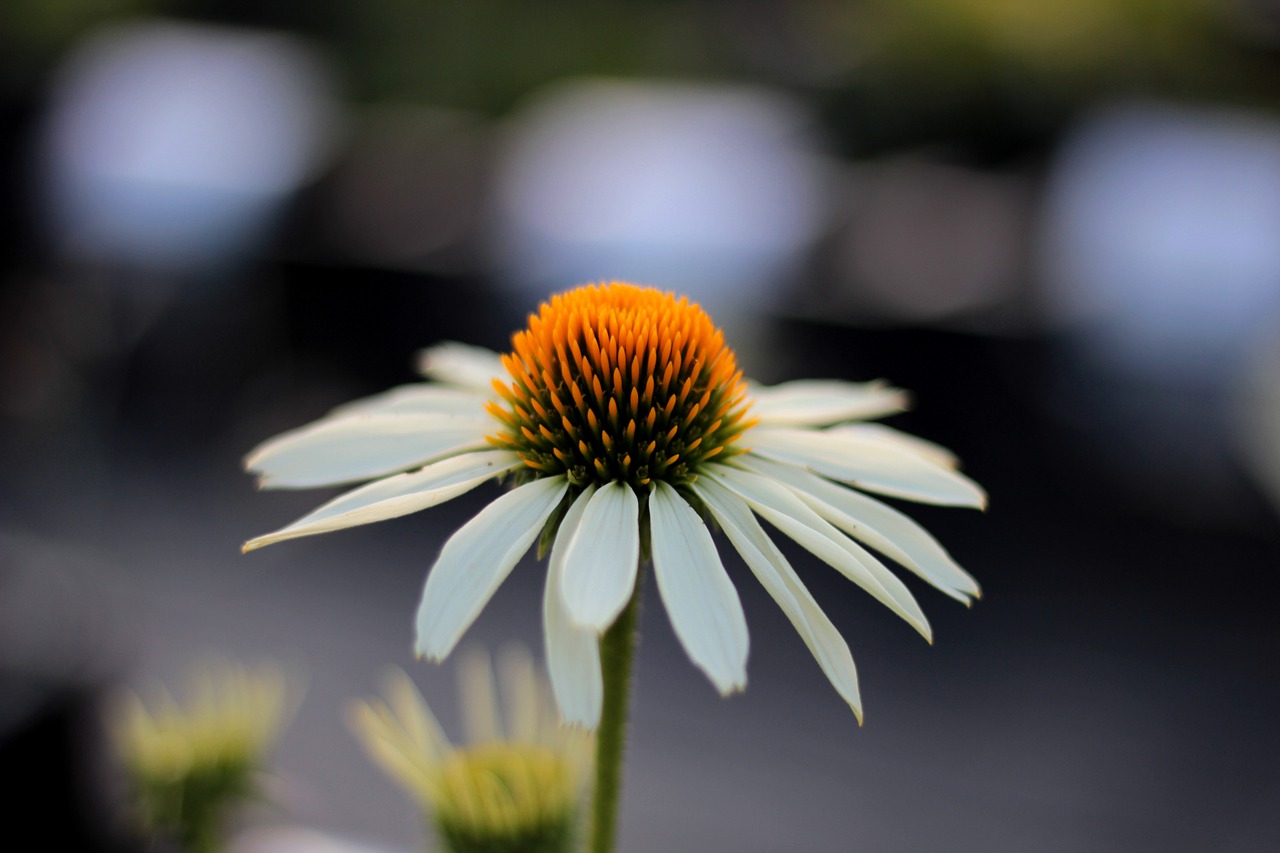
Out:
{"x": 600, "y": 566}
{"x": 421, "y": 398}
{"x": 520, "y": 697}
{"x": 882, "y": 527}
{"x": 477, "y": 558}
{"x": 700, "y": 599}
{"x": 819, "y": 402}
{"x": 398, "y": 495}
{"x": 461, "y": 364}
{"x": 788, "y": 513}
{"x": 413, "y": 716}
{"x": 573, "y": 653}
{"x": 781, "y": 582}
{"x": 932, "y": 451}
{"x": 481, "y": 717}
{"x": 869, "y": 463}
{"x": 389, "y": 746}
{"x": 358, "y": 447}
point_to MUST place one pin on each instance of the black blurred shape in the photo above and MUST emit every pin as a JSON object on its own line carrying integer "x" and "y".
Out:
{"x": 52, "y": 798}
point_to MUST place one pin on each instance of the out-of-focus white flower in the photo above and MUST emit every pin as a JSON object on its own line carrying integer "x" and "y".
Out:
{"x": 516, "y": 786}
{"x": 189, "y": 764}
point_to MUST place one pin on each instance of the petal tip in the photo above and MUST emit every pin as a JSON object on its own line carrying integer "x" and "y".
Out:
{"x": 421, "y": 652}
{"x": 581, "y": 722}
{"x": 738, "y": 685}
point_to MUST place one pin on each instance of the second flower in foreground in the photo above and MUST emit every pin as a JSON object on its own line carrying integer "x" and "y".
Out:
{"x": 622, "y": 420}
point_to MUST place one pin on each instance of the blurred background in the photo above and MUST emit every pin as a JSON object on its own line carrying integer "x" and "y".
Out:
{"x": 1056, "y": 222}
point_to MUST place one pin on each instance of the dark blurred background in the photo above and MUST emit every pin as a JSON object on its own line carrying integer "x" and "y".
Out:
{"x": 1056, "y": 222}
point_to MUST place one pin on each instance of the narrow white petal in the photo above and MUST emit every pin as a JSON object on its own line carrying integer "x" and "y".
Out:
{"x": 414, "y": 716}
{"x": 869, "y": 463}
{"x": 932, "y": 451}
{"x": 421, "y": 398}
{"x": 882, "y": 527}
{"x": 700, "y": 599}
{"x": 481, "y": 717}
{"x": 389, "y": 746}
{"x": 781, "y": 582}
{"x": 398, "y": 495}
{"x": 819, "y": 402}
{"x": 600, "y": 566}
{"x": 573, "y": 653}
{"x": 789, "y": 514}
{"x": 462, "y": 364}
{"x": 477, "y": 558}
{"x": 358, "y": 447}
{"x": 520, "y": 699}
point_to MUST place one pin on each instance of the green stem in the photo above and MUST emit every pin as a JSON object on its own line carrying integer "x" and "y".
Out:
{"x": 617, "y": 651}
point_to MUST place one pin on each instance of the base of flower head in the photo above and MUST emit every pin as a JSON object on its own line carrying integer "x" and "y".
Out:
{"x": 505, "y": 796}
{"x": 192, "y": 810}
{"x": 191, "y": 766}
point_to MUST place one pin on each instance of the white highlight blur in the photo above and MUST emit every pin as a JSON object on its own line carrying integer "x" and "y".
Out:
{"x": 711, "y": 191}
{"x": 174, "y": 144}
{"x": 1162, "y": 234}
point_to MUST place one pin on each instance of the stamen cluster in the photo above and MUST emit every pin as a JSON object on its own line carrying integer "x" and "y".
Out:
{"x": 618, "y": 382}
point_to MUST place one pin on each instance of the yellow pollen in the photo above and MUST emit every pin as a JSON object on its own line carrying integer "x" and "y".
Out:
{"x": 618, "y": 382}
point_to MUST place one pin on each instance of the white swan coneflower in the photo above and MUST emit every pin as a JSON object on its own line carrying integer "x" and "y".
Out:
{"x": 622, "y": 421}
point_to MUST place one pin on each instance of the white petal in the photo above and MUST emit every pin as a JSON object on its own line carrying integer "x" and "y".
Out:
{"x": 780, "y": 580}
{"x": 573, "y": 653}
{"x": 520, "y": 698}
{"x": 932, "y": 451}
{"x": 388, "y": 745}
{"x": 882, "y": 527}
{"x": 398, "y": 495}
{"x": 789, "y": 514}
{"x": 358, "y": 447}
{"x": 414, "y": 717}
{"x": 700, "y": 599}
{"x": 422, "y": 398}
{"x": 481, "y": 718}
{"x": 869, "y": 463}
{"x": 600, "y": 566}
{"x": 462, "y": 364}
{"x": 818, "y": 402}
{"x": 477, "y": 558}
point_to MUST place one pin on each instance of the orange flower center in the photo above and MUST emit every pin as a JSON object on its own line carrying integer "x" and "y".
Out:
{"x": 618, "y": 382}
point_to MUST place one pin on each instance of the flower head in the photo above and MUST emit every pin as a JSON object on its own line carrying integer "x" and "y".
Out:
{"x": 189, "y": 764}
{"x": 516, "y": 786}
{"x": 619, "y": 384}
{"x": 622, "y": 420}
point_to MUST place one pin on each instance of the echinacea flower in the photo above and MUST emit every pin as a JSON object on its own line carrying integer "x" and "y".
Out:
{"x": 515, "y": 787}
{"x": 623, "y": 422}
{"x": 189, "y": 764}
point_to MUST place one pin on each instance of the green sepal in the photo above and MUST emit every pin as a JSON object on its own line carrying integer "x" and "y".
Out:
{"x": 548, "y": 535}
{"x": 646, "y": 546}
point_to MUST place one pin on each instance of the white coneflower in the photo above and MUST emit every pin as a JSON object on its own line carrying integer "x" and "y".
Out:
{"x": 189, "y": 764}
{"x": 516, "y": 788}
{"x": 622, "y": 421}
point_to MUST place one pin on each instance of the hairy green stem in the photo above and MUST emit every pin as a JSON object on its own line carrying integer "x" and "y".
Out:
{"x": 617, "y": 651}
